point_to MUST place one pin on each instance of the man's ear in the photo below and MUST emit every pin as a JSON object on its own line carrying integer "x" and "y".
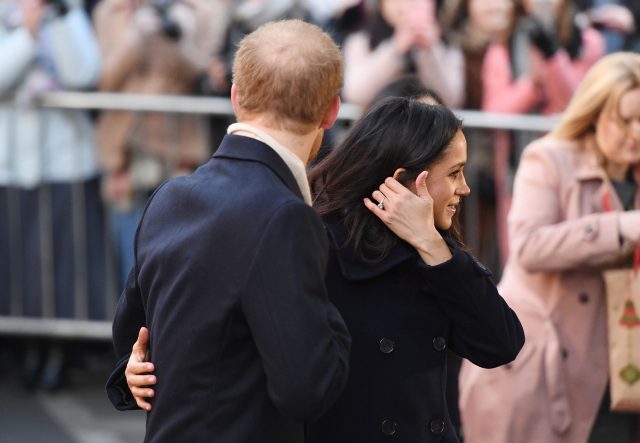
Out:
{"x": 398, "y": 172}
{"x": 234, "y": 98}
{"x": 332, "y": 113}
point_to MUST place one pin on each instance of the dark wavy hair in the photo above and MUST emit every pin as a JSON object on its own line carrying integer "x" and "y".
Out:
{"x": 396, "y": 133}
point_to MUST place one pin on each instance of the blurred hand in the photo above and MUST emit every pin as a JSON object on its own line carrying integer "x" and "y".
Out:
{"x": 138, "y": 371}
{"x": 615, "y": 17}
{"x": 118, "y": 187}
{"x": 403, "y": 38}
{"x": 629, "y": 226}
{"x": 146, "y": 21}
{"x": 426, "y": 37}
{"x": 420, "y": 18}
{"x": 32, "y": 15}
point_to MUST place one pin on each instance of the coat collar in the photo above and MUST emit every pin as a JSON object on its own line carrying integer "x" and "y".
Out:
{"x": 354, "y": 268}
{"x": 238, "y": 147}
{"x": 591, "y": 170}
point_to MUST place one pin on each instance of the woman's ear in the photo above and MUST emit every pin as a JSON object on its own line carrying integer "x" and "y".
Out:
{"x": 398, "y": 172}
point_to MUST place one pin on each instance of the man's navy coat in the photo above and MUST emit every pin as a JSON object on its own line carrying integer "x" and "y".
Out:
{"x": 229, "y": 277}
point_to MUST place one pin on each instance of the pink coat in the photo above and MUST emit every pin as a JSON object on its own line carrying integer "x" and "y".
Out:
{"x": 560, "y": 240}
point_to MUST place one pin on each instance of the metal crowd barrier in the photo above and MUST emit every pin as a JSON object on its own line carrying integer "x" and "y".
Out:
{"x": 477, "y": 124}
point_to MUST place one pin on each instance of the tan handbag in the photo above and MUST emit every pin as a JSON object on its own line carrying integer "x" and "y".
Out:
{"x": 623, "y": 300}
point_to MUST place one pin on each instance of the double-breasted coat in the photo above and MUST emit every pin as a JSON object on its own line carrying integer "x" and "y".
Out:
{"x": 403, "y": 317}
{"x": 229, "y": 277}
{"x": 561, "y": 238}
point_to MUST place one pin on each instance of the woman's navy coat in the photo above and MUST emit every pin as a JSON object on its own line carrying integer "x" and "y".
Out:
{"x": 403, "y": 315}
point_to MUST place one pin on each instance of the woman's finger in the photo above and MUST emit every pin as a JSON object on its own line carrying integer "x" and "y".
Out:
{"x": 141, "y": 380}
{"x": 138, "y": 368}
{"x": 379, "y": 196}
{"x": 142, "y": 403}
{"x": 377, "y": 211}
{"x": 143, "y": 392}
{"x": 394, "y": 185}
{"x": 387, "y": 191}
{"x": 421, "y": 185}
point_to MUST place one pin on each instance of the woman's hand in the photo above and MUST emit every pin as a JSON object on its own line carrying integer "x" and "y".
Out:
{"x": 616, "y": 17}
{"x": 410, "y": 217}
{"x": 403, "y": 40}
{"x": 138, "y": 371}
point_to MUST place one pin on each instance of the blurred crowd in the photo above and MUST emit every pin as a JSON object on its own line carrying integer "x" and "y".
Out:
{"x": 69, "y": 176}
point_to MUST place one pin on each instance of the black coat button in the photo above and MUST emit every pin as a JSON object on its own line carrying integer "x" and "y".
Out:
{"x": 584, "y": 298}
{"x": 439, "y": 343}
{"x": 436, "y": 426}
{"x": 389, "y": 427}
{"x": 386, "y": 346}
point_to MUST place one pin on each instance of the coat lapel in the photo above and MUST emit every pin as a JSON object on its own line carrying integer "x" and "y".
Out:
{"x": 238, "y": 147}
{"x": 604, "y": 198}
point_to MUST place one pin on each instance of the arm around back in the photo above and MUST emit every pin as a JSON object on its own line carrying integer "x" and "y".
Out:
{"x": 129, "y": 317}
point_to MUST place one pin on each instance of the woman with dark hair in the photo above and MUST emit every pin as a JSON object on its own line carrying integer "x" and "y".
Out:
{"x": 399, "y": 276}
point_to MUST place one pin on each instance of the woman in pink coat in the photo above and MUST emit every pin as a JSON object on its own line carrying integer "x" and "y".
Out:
{"x": 561, "y": 239}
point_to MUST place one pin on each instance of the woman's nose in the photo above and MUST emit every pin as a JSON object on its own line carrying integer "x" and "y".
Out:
{"x": 464, "y": 189}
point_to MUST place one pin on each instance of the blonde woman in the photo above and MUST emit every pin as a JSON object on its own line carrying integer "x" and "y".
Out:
{"x": 561, "y": 239}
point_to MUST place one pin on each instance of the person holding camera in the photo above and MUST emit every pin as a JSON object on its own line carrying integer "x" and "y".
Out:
{"x": 535, "y": 70}
{"x": 402, "y": 36}
{"x": 151, "y": 47}
{"x": 47, "y": 160}
{"x": 539, "y": 67}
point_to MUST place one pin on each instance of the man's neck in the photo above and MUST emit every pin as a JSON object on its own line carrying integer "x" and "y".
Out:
{"x": 300, "y": 145}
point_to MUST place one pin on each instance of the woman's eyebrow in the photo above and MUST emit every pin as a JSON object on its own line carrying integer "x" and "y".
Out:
{"x": 458, "y": 165}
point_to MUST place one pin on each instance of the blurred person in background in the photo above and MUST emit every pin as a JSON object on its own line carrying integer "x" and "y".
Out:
{"x": 151, "y": 47}
{"x": 562, "y": 237}
{"x": 534, "y": 71}
{"x": 474, "y": 25}
{"x": 52, "y": 251}
{"x": 402, "y": 36}
{"x": 618, "y": 20}
{"x": 537, "y": 69}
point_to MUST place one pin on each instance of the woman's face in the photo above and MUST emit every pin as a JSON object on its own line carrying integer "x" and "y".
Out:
{"x": 446, "y": 182}
{"x": 491, "y": 17}
{"x": 619, "y": 141}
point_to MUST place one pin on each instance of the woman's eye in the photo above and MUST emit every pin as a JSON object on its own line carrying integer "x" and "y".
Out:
{"x": 454, "y": 174}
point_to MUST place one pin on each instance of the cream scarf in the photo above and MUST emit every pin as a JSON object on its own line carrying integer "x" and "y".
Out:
{"x": 292, "y": 161}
